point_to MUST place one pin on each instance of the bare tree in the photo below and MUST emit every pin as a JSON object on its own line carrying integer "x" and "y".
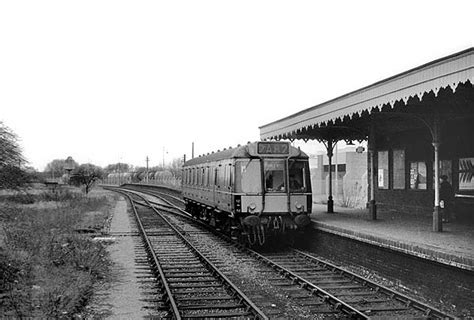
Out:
{"x": 86, "y": 175}
{"x": 175, "y": 167}
{"x": 11, "y": 159}
{"x": 57, "y": 167}
{"x": 10, "y": 152}
{"x": 117, "y": 167}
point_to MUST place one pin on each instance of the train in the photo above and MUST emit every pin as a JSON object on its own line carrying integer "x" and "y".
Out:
{"x": 254, "y": 192}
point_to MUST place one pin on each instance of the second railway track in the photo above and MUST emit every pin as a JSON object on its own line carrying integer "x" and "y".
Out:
{"x": 313, "y": 288}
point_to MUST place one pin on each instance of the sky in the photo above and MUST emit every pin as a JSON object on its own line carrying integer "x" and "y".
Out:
{"x": 119, "y": 81}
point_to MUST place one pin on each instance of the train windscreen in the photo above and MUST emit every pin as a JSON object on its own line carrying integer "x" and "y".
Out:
{"x": 298, "y": 173}
{"x": 274, "y": 175}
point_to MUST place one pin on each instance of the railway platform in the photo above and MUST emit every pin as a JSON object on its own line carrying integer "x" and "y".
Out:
{"x": 408, "y": 234}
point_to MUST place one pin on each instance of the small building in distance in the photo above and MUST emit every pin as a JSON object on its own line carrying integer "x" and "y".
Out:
{"x": 349, "y": 177}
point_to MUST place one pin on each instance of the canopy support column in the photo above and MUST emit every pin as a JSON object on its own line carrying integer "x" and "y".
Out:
{"x": 437, "y": 219}
{"x": 372, "y": 177}
{"x": 329, "y": 144}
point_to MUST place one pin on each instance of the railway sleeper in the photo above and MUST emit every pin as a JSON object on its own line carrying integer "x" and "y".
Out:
{"x": 202, "y": 291}
{"x": 382, "y": 309}
{"x": 184, "y": 273}
{"x": 211, "y": 306}
{"x": 213, "y": 284}
{"x": 349, "y": 287}
{"x": 191, "y": 279}
{"x": 214, "y": 299}
{"x": 181, "y": 267}
{"x": 204, "y": 315}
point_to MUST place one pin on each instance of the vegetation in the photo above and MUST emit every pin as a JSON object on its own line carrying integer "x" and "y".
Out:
{"x": 47, "y": 268}
{"x": 11, "y": 174}
{"x": 86, "y": 175}
{"x": 117, "y": 167}
{"x": 10, "y": 152}
{"x": 354, "y": 196}
{"x": 57, "y": 167}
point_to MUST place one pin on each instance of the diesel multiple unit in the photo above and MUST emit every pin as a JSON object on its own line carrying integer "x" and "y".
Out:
{"x": 253, "y": 191}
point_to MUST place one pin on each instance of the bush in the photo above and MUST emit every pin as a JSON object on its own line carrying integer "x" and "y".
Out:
{"x": 353, "y": 197}
{"x": 47, "y": 269}
{"x": 23, "y": 198}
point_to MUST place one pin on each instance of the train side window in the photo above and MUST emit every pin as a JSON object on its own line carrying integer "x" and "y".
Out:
{"x": 214, "y": 179}
{"x": 231, "y": 176}
{"x": 205, "y": 180}
{"x": 221, "y": 176}
{"x": 211, "y": 176}
{"x": 226, "y": 176}
{"x": 199, "y": 171}
{"x": 418, "y": 175}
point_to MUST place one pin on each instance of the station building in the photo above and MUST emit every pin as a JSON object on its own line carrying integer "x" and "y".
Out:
{"x": 418, "y": 126}
{"x": 349, "y": 178}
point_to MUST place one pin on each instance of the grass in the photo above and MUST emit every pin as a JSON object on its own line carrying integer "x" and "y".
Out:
{"x": 48, "y": 269}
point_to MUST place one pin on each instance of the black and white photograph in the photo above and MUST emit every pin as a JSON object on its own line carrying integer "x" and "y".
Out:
{"x": 236, "y": 159}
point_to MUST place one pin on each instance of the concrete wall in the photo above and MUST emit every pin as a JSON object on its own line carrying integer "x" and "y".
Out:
{"x": 350, "y": 186}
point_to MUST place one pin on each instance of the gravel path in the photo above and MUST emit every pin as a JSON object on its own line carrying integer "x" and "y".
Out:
{"x": 120, "y": 298}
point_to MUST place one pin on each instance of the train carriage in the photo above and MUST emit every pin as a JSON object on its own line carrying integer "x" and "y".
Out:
{"x": 253, "y": 191}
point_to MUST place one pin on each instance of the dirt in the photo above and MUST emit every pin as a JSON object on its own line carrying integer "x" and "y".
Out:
{"x": 120, "y": 296}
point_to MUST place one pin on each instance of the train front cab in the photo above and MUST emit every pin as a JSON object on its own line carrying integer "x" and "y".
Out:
{"x": 273, "y": 192}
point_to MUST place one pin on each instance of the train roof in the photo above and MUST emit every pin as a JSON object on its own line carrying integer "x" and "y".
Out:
{"x": 245, "y": 151}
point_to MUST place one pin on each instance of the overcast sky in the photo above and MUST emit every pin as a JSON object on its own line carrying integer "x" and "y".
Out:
{"x": 110, "y": 81}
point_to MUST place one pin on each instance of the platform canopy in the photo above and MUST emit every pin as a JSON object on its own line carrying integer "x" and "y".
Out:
{"x": 345, "y": 117}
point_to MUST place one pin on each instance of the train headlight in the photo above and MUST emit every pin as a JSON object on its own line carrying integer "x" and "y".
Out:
{"x": 299, "y": 207}
{"x": 251, "y": 208}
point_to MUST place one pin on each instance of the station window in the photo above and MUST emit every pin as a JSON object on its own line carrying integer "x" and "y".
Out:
{"x": 466, "y": 179}
{"x": 382, "y": 176}
{"x": 445, "y": 169}
{"x": 398, "y": 169}
{"x": 418, "y": 175}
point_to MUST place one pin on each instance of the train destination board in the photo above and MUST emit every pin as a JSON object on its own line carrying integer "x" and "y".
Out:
{"x": 273, "y": 148}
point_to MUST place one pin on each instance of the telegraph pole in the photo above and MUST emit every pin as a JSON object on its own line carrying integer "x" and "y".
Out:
{"x": 146, "y": 179}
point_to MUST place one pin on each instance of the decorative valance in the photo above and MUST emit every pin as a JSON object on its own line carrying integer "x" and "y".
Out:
{"x": 446, "y": 72}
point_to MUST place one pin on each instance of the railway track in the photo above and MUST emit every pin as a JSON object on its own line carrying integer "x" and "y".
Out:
{"x": 370, "y": 298}
{"x": 190, "y": 286}
{"x": 343, "y": 290}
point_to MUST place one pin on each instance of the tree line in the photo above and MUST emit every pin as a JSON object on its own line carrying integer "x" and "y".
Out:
{"x": 15, "y": 174}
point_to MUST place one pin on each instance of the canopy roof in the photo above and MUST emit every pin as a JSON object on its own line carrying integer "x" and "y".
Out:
{"x": 446, "y": 72}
